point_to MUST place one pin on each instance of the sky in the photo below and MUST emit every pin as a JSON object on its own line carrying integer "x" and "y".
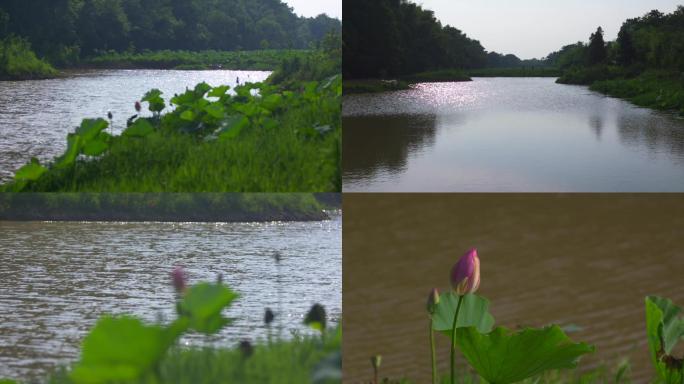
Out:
{"x": 535, "y": 28}
{"x": 311, "y": 8}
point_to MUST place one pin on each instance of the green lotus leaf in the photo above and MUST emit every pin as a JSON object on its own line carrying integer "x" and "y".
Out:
{"x": 504, "y": 356}
{"x": 156, "y": 102}
{"x": 91, "y": 128}
{"x": 31, "y": 171}
{"x": 187, "y": 115}
{"x": 232, "y": 127}
{"x": 214, "y": 110}
{"x": 74, "y": 146}
{"x": 140, "y": 128}
{"x": 218, "y": 91}
{"x": 664, "y": 330}
{"x": 202, "y": 305}
{"x": 95, "y": 147}
{"x": 120, "y": 349}
{"x": 474, "y": 312}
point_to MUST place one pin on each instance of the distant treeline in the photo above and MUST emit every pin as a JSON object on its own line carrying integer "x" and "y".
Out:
{"x": 63, "y": 31}
{"x": 395, "y": 38}
{"x": 644, "y": 65}
{"x": 211, "y": 207}
{"x": 653, "y": 41}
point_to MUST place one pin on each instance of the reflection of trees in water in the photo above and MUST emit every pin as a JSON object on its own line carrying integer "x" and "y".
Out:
{"x": 374, "y": 143}
{"x": 596, "y": 123}
{"x": 656, "y": 132}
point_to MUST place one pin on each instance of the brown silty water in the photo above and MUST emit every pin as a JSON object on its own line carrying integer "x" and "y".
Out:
{"x": 580, "y": 260}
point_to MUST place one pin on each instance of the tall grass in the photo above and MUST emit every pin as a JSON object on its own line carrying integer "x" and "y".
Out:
{"x": 277, "y": 362}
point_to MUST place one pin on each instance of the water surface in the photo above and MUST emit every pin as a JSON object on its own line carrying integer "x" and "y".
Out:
{"x": 581, "y": 260}
{"x": 57, "y": 279}
{"x": 508, "y": 134}
{"x": 36, "y": 115}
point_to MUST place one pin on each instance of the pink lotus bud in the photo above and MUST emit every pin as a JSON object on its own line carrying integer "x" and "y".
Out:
{"x": 178, "y": 277}
{"x": 433, "y": 300}
{"x": 138, "y": 107}
{"x": 465, "y": 275}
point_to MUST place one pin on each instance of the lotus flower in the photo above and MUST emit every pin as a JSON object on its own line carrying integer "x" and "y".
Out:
{"x": 433, "y": 300}
{"x": 178, "y": 277}
{"x": 465, "y": 275}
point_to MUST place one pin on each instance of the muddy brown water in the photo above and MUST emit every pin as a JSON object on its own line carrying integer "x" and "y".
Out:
{"x": 581, "y": 260}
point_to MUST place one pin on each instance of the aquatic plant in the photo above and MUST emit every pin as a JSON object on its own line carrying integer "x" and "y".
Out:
{"x": 665, "y": 329}
{"x": 433, "y": 300}
{"x": 498, "y": 355}
{"x": 250, "y": 135}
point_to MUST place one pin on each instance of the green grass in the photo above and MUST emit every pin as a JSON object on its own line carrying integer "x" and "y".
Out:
{"x": 515, "y": 72}
{"x": 653, "y": 89}
{"x": 236, "y": 60}
{"x": 282, "y": 141}
{"x": 373, "y": 86}
{"x": 19, "y": 62}
{"x": 224, "y": 207}
{"x": 279, "y": 362}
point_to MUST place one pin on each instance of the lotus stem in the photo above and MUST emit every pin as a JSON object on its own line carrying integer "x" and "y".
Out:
{"x": 453, "y": 341}
{"x": 432, "y": 349}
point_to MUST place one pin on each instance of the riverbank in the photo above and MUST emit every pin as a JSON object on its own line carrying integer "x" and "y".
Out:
{"x": 262, "y": 138}
{"x": 261, "y": 60}
{"x": 19, "y": 62}
{"x": 515, "y": 72}
{"x": 166, "y": 207}
{"x": 405, "y": 82}
{"x": 662, "y": 90}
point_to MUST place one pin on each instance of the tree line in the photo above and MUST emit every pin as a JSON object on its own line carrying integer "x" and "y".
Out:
{"x": 653, "y": 41}
{"x": 397, "y": 37}
{"x": 64, "y": 30}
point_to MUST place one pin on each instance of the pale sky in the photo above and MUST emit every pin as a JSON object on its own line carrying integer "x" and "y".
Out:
{"x": 311, "y": 8}
{"x": 535, "y": 28}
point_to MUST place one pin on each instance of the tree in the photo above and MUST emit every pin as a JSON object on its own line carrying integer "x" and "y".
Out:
{"x": 596, "y": 52}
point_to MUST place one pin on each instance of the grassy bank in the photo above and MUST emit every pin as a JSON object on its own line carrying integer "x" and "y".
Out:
{"x": 279, "y": 362}
{"x": 515, "y": 72}
{"x": 653, "y": 89}
{"x": 663, "y": 90}
{"x": 439, "y": 76}
{"x": 19, "y": 62}
{"x": 235, "y": 60}
{"x": 373, "y": 86}
{"x": 262, "y": 138}
{"x": 177, "y": 207}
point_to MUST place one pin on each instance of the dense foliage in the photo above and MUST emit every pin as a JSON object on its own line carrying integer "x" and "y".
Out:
{"x": 394, "y": 38}
{"x": 644, "y": 64}
{"x": 18, "y": 61}
{"x": 65, "y": 30}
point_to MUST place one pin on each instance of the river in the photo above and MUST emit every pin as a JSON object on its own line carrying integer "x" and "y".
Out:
{"x": 584, "y": 261}
{"x": 36, "y": 115}
{"x": 58, "y": 278}
{"x": 508, "y": 134}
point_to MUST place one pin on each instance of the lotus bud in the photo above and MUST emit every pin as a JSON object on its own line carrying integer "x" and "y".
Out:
{"x": 109, "y": 115}
{"x": 179, "y": 278}
{"x": 376, "y": 361}
{"x": 433, "y": 300}
{"x": 138, "y": 107}
{"x": 268, "y": 316}
{"x": 465, "y": 275}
